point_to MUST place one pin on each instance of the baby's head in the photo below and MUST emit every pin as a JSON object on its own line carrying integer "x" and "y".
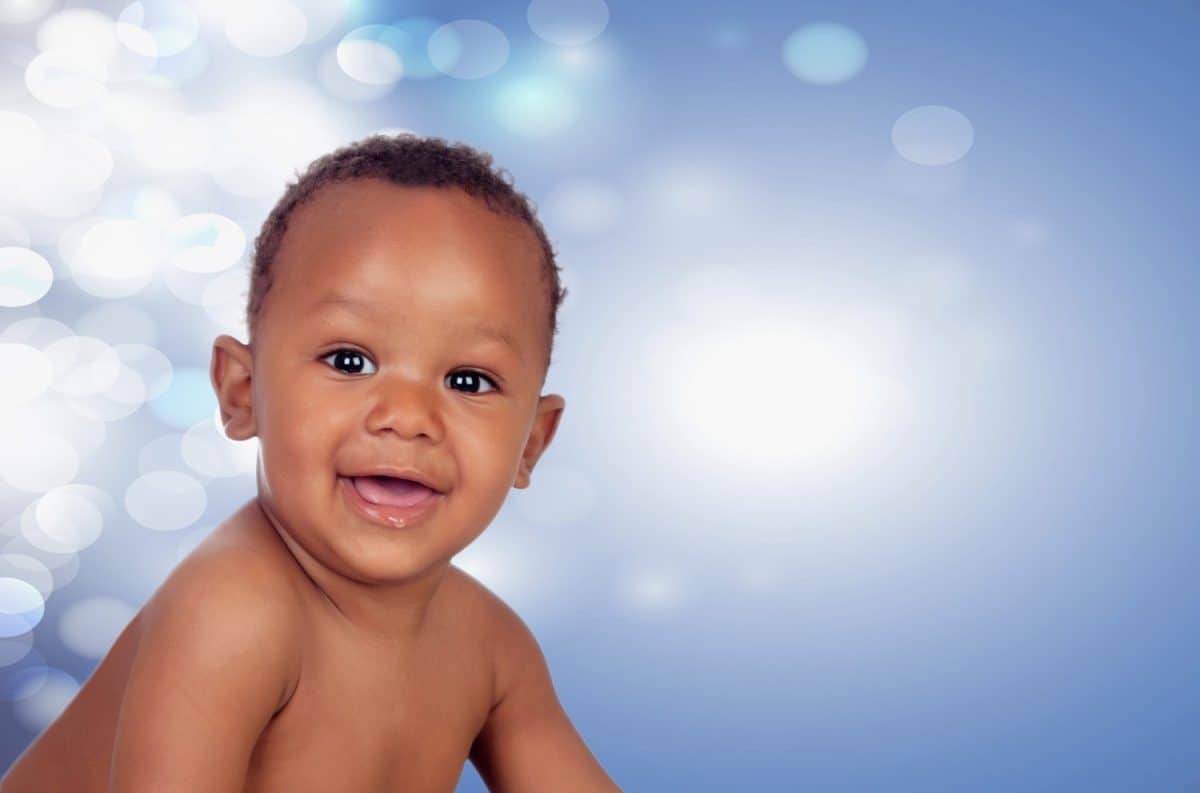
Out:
{"x": 401, "y": 312}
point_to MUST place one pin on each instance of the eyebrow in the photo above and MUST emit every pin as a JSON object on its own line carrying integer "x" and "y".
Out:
{"x": 339, "y": 300}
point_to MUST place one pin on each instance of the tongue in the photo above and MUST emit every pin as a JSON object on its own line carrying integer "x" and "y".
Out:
{"x": 388, "y": 490}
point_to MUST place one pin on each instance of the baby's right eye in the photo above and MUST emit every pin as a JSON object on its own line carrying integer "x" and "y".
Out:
{"x": 348, "y": 356}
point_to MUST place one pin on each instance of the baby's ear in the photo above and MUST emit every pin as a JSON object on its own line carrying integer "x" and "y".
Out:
{"x": 545, "y": 424}
{"x": 230, "y": 372}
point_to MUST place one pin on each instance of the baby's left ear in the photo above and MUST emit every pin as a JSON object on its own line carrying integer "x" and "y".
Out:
{"x": 545, "y": 424}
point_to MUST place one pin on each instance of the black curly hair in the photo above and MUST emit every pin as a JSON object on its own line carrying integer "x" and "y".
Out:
{"x": 408, "y": 160}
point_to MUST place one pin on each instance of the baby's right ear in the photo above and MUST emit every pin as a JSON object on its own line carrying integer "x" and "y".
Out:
{"x": 230, "y": 372}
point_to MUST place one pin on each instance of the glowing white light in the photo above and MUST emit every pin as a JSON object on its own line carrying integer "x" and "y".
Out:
{"x": 468, "y": 49}
{"x": 322, "y": 15}
{"x": 59, "y": 79}
{"x": 653, "y": 592}
{"x": 21, "y": 607}
{"x": 933, "y": 135}
{"x": 265, "y": 28}
{"x": 89, "y": 627}
{"x": 27, "y": 568}
{"x": 25, "y": 277}
{"x": 84, "y": 33}
{"x": 584, "y": 206}
{"x": 18, "y": 12}
{"x": 153, "y": 368}
{"x": 273, "y": 129}
{"x": 70, "y": 175}
{"x": 365, "y": 54}
{"x": 336, "y": 81}
{"x": 210, "y": 452}
{"x": 118, "y": 324}
{"x": 224, "y": 301}
{"x": 536, "y": 106}
{"x": 165, "y": 500}
{"x": 166, "y": 27}
{"x": 23, "y": 142}
{"x": 12, "y": 232}
{"x": 36, "y": 374}
{"x": 116, "y": 258}
{"x": 205, "y": 243}
{"x": 67, "y": 520}
{"x": 825, "y": 53}
{"x": 83, "y": 365}
{"x": 567, "y": 23}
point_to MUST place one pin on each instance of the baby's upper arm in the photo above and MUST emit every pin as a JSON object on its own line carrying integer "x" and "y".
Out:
{"x": 218, "y": 654}
{"x": 528, "y": 743}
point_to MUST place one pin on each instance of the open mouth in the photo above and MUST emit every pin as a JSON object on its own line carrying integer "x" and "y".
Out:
{"x": 391, "y": 491}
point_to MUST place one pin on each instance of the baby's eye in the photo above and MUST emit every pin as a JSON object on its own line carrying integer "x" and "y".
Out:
{"x": 354, "y": 358}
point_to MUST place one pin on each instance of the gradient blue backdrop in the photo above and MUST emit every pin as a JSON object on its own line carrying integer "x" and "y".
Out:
{"x": 999, "y": 593}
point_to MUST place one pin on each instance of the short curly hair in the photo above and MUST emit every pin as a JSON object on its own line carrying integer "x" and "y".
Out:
{"x": 408, "y": 160}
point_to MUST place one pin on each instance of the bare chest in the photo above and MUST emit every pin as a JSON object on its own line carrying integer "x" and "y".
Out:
{"x": 361, "y": 721}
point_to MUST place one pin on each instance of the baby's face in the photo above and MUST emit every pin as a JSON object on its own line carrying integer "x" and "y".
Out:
{"x": 398, "y": 280}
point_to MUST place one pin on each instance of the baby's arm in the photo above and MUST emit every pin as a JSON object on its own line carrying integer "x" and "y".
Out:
{"x": 218, "y": 657}
{"x": 528, "y": 744}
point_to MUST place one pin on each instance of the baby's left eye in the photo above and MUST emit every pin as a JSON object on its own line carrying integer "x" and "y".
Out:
{"x": 353, "y": 357}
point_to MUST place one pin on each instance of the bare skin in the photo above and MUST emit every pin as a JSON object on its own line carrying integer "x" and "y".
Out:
{"x": 305, "y": 646}
{"x": 334, "y": 732}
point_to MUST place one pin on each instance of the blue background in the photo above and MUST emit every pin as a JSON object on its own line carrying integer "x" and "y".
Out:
{"x": 996, "y": 593}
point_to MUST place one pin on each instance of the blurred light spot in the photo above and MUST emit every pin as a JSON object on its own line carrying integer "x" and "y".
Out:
{"x": 18, "y": 12}
{"x": 163, "y": 453}
{"x": 584, "y": 207}
{"x": 410, "y": 38}
{"x": 184, "y": 67}
{"x": 567, "y": 23}
{"x": 536, "y": 106}
{"x": 272, "y": 129}
{"x": 66, "y": 520}
{"x": 62, "y": 566}
{"x": 167, "y": 26}
{"x": 12, "y": 233}
{"x": 336, "y": 81}
{"x": 468, "y": 49}
{"x": 370, "y": 55}
{"x": 152, "y": 367}
{"x": 205, "y": 243}
{"x": 30, "y": 374}
{"x": 89, "y": 627}
{"x": 322, "y": 16}
{"x": 224, "y": 301}
{"x": 70, "y": 175}
{"x": 21, "y": 606}
{"x": 82, "y": 365}
{"x": 23, "y": 677}
{"x": 118, "y": 323}
{"x": 116, "y": 257}
{"x": 209, "y": 451}
{"x": 59, "y": 79}
{"x": 14, "y": 648}
{"x": 35, "y": 458}
{"x": 82, "y": 32}
{"x": 825, "y": 53}
{"x": 23, "y": 141}
{"x": 188, "y": 399}
{"x": 28, "y": 569}
{"x": 265, "y": 28}
{"x": 25, "y": 277}
{"x": 165, "y": 500}
{"x": 38, "y": 710}
{"x": 653, "y": 592}
{"x": 933, "y": 135}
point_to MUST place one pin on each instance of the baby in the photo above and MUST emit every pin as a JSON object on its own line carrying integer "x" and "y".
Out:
{"x": 401, "y": 316}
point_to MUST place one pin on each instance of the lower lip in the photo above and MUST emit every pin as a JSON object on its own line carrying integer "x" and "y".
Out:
{"x": 391, "y": 516}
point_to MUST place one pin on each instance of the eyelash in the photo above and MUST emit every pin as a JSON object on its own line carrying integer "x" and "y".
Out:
{"x": 494, "y": 385}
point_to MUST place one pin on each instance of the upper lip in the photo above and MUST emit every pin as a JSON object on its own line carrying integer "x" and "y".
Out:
{"x": 399, "y": 473}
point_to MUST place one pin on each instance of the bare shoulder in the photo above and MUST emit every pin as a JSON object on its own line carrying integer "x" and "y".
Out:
{"x": 217, "y": 657}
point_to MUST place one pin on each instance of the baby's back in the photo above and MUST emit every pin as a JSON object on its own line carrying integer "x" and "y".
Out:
{"x": 240, "y": 675}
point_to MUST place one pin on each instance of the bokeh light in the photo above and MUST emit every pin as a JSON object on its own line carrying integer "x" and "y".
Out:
{"x": 933, "y": 135}
{"x": 825, "y": 53}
